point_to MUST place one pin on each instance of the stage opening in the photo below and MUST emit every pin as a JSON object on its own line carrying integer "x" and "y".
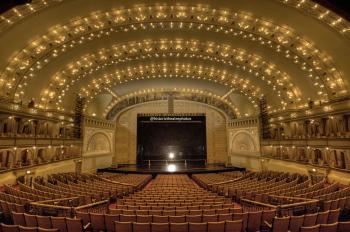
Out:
{"x": 171, "y": 141}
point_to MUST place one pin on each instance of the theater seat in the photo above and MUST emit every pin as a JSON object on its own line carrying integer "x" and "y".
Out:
{"x": 141, "y": 227}
{"x": 60, "y": 223}
{"x": 344, "y": 226}
{"x": 18, "y": 219}
{"x": 44, "y": 222}
{"x": 160, "y": 227}
{"x": 216, "y": 226}
{"x": 295, "y": 223}
{"x": 329, "y": 227}
{"x": 315, "y": 228}
{"x": 30, "y": 220}
{"x": 109, "y": 220}
{"x": 179, "y": 227}
{"x": 9, "y": 228}
{"x": 234, "y": 226}
{"x": 197, "y": 227}
{"x": 123, "y": 226}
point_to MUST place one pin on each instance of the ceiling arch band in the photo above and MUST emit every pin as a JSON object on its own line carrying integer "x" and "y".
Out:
{"x": 334, "y": 21}
{"x": 225, "y": 22}
{"x": 165, "y": 70}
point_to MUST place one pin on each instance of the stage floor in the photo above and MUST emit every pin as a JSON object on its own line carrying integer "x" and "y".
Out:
{"x": 171, "y": 169}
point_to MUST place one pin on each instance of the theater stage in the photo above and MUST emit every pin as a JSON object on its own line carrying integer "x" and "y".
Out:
{"x": 171, "y": 169}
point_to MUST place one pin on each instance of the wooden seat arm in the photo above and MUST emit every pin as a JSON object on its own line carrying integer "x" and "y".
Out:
{"x": 86, "y": 226}
{"x": 268, "y": 224}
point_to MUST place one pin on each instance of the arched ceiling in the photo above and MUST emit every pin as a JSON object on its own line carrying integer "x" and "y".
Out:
{"x": 289, "y": 51}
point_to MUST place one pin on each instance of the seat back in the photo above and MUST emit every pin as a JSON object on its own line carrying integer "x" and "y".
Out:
{"x": 18, "y": 219}
{"x": 295, "y": 223}
{"x": 333, "y": 216}
{"x": 177, "y": 219}
{"x": 127, "y": 218}
{"x": 109, "y": 221}
{"x": 74, "y": 224}
{"x": 141, "y": 227}
{"x": 84, "y": 216}
{"x": 254, "y": 221}
{"x": 160, "y": 219}
{"x": 216, "y": 226}
{"x": 160, "y": 227}
{"x": 267, "y": 216}
{"x": 322, "y": 217}
{"x": 97, "y": 222}
{"x": 310, "y": 220}
{"x": 9, "y": 228}
{"x": 123, "y": 226}
{"x": 59, "y": 223}
{"x": 179, "y": 227}
{"x": 194, "y": 218}
{"x": 344, "y": 226}
{"x": 44, "y": 222}
{"x": 280, "y": 224}
{"x": 243, "y": 217}
{"x": 210, "y": 218}
{"x": 30, "y": 220}
{"x": 329, "y": 227}
{"x": 234, "y": 226}
{"x": 197, "y": 227}
{"x": 144, "y": 218}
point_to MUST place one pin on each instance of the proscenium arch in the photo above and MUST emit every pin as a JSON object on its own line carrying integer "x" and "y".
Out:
{"x": 195, "y": 95}
{"x": 119, "y": 113}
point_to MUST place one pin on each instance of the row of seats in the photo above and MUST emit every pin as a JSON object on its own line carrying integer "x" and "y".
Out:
{"x": 63, "y": 224}
{"x": 226, "y": 226}
{"x": 204, "y": 205}
{"x": 161, "y": 204}
{"x": 13, "y": 199}
{"x": 6, "y": 208}
{"x": 178, "y": 211}
{"x": 18, "y": 228}
{"x": 251, "y": 222}
{"x": 342, "y": 203}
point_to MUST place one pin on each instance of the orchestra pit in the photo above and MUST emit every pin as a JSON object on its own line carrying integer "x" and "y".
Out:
{"x": 174, "y": 116}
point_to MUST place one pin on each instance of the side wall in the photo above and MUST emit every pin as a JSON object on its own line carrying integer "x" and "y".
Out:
{"x": 98, "y": 146}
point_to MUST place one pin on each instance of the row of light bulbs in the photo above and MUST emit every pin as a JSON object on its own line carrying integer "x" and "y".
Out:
{"x": 91, "y": 63}
{"x": 103, "y": 57}
{"x": 294, "y": 147}
{"x": 169, "y": 70}
{"x": 41, "y": 48}
{"x": 49, "y": 146}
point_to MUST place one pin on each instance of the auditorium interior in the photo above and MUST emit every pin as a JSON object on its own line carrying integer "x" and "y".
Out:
{"x": 175, "y": 116}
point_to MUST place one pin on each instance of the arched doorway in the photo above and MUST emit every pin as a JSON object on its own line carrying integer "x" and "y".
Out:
{"x": 25, "y": 157}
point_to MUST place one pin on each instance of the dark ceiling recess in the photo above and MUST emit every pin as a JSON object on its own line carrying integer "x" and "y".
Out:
{"x": 341, "y": 7}
{"x": 8, "y": 4}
